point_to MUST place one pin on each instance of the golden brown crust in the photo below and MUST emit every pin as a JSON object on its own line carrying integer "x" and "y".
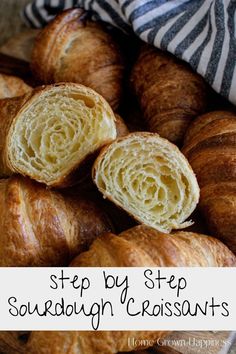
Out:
{"x": 143, "y": 246}
{"x": 102, "y": 120}
{"x": 12, "y": 86}
{"x": 8, "y": 110}
{"x": 139, "y": 246}
{"x": 74, "y": 49}
{"x": 53, "y": 343}
{"x": 11, "y": 343}
{"x": 40, "y": 227}
{"x": 20, "y": 45}
{"x": 169, "y": 93}
{"x": 210, "y": 146}
{"x": 202, "y": 121}
{"x": 87, "y": 342}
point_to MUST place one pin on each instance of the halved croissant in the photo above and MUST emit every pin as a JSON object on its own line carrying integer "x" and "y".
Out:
{"x": 12, "y": 86}
{"x": 40, "y": 227}
{"x": 148, "y": 177}
{"x": 139, "y": 246}
{"x": 50, "y": 132}
{"x": 169, "y": 92}
{"x": 72, "y": 48}
{"x": 210, "y": 147}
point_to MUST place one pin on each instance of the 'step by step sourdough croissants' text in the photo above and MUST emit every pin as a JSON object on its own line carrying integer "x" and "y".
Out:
{"x": 210, "y": 146}
{"x": 169, "y": 92}
{"x": 140, "y": 246}
{"x": 148, "y": 177}
{"x": 49, "y": 132}
{"x": 41, "y": 227}
{"x": 72, "y": 48}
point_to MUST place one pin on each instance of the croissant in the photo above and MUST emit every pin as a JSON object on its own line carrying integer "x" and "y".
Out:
{"x": 11, "y": 343}
{"x": 50, "y": 132}
{"x": 148, "y": 177}
{"x": 20, "y": 45}
{"x": 169, "y": 92}
{"x": 139, "y": 246}
{"x": 210, "y": 146}
{"x": 72, "y": 48}
{"x": 12, "y": 86}
{"x": 40, "y": 227}
{"x": 143, "y": 246}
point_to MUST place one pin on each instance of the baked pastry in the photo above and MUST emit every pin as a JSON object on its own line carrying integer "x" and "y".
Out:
{"x": 150, "y": 178}
{"x": 50, "y": 132}
{"x": 121, "y": 127}
{"x": 143, "y": 246}
{"x": 41, "y": 227}
{"x": 169, "y": 92}
{"x": 72, "y": 48}
{"x": 11, "y": 342}
{"x": 12, "y": 86}
{"x": 20, "y": 45}
{"x": 87, "y": 342}
{"x": 210, "y": 146}
{"x": 139, "y": 246}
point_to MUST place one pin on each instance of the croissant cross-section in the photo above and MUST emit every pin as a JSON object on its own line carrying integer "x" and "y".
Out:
{"x": 148, "y": 177}
{"x": 54, "y": 130}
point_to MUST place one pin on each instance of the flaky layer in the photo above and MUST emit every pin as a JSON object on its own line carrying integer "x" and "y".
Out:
{"x": 150, "y": 178}
{"x": 56, "y": 129}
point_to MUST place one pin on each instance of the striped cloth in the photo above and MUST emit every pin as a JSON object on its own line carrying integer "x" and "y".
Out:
{"x": 201, "y": 32}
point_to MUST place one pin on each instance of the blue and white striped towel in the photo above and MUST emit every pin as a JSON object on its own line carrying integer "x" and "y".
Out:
{"x": 201, "y": 32}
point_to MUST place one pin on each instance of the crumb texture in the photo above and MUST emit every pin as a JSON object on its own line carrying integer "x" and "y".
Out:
{"x": 57, "y": 129}
{"x": 150, "y": 178}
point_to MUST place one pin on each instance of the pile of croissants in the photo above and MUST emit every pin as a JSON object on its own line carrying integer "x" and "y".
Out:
{"x": 81, "y": 186}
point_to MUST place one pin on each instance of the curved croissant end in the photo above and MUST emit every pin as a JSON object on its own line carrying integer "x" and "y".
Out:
{"x": 169, "y": 92}
{"x": 148, "y": 177}
{"x": 53, "y": 130}
{"x": 12, "y": 86}
{"x": 41, "y": 227}
{"x": 143, "y": 246}
{"x": 71, "y": 48}
{"x": 210, "y": 146}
